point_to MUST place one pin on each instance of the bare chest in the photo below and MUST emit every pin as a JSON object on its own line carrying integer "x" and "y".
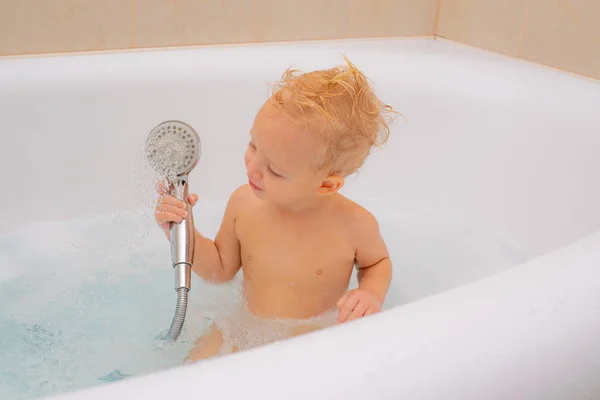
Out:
{"x": 309, "y": 251}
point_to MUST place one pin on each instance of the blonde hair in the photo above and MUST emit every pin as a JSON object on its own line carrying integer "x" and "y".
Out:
{"x": 355, "y": 119}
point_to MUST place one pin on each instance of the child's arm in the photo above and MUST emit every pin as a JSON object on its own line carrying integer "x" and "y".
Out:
{"x": 374, "y": 271}
{"x": 219, "y": 260}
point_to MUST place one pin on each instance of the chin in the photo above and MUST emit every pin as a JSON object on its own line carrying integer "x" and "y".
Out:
{"x": 260, "y": 194}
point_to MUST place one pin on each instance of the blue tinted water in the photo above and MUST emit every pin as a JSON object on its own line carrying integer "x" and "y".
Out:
{"x": 82, "y": 302}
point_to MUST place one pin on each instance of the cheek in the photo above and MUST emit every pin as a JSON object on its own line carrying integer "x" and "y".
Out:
{"x": 293, "y": 188}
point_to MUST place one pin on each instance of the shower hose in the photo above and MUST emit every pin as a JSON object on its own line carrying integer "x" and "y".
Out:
{"x": 179, "y": 317}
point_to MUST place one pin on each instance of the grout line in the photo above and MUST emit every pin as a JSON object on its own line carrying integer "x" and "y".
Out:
{"x": 210, "y": 45}
{"x": 253, "y": 34}
{"x": 288, "y": 42}
{"x": 351, "y": 17}
{"x": 132, "y": 23}
{"x": 437, "y": 11}
{"x": 524, "y": 25}
{"x": 66, "y": 53}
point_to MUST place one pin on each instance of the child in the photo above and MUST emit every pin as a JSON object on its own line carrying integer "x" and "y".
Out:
{"x": 295, "y": 238}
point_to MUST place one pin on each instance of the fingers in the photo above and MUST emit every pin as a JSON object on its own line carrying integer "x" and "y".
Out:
{"x": 193, "y": 199}
{"x": 358, "y": 311}
{"x": 172, "y": 201}
{"x": 343, "y": 299}
{"x": 347, "y": 307}
{"x": 171, "y": 209}
{"x": 174, "y": 208}
{"x": 163, "y": 188}
{"x": 165, "y": 216}
{"x": 356, "y": 304}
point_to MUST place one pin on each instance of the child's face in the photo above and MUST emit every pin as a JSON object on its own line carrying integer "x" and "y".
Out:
{"x": 281, "y": 158}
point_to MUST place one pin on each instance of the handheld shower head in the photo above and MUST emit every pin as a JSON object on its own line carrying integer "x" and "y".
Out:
{"x": 173, "y": 150}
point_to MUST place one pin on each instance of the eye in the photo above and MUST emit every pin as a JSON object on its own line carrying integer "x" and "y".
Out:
{"x": 270, "y": 171}
{"x": 251, "y": 145}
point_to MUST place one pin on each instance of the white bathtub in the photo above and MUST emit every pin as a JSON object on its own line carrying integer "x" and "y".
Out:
{"x": 502, "y": 145}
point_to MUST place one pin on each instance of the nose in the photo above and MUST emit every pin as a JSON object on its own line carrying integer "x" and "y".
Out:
{"x": 253, "y": 169}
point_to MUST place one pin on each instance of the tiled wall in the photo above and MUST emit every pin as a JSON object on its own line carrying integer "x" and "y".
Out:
{"x": 564, "y": 34}
{"x": 47, "y": 26}
{"x": 561, "y": 33}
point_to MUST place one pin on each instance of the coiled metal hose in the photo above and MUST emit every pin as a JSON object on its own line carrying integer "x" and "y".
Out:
{"x": 179, "y": 317}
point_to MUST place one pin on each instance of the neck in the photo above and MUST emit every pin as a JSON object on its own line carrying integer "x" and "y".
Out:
{"x": 306, "y": 205}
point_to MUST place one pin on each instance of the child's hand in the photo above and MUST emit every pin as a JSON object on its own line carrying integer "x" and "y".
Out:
{"x": 171, "y": 209}
{"x": 357, "y": 303}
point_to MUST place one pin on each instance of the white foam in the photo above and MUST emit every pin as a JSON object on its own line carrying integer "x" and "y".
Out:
{"x": 241, "y": 330}
{"x": 105, "y": 283}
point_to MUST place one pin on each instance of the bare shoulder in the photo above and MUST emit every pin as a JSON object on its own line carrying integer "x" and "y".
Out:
{"x": 241, "y": 194}
{"x": 240, "y": 199}
{"x": 363, "y": 233}
{"x": 356, "y": 218}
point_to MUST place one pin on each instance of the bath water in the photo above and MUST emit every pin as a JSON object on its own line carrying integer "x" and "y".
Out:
{"x": 84, "y": 301}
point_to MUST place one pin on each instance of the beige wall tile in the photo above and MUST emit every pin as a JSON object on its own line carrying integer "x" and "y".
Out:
{"x": 280, "y": 20}
{"x": 45, "y": 26}
{"x": 491, "y": 24}
{"x": 189, "y": 22}
{"x": 564, "y": 34}
{"x": 376, "y": 18}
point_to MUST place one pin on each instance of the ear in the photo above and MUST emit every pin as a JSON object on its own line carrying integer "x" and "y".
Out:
{"x": 330, "y": 185}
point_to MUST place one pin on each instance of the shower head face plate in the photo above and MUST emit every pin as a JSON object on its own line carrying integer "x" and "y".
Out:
{"x": 173, "y": 148}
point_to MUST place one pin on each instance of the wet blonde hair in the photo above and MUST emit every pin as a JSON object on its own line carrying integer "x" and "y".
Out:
{"x": 353, "y": 119}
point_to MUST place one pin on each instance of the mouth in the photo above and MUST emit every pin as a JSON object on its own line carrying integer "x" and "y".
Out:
{"x": 253, "y": 186}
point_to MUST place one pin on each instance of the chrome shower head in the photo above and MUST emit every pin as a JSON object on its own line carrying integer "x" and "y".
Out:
{"x": 173, "y": 149}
